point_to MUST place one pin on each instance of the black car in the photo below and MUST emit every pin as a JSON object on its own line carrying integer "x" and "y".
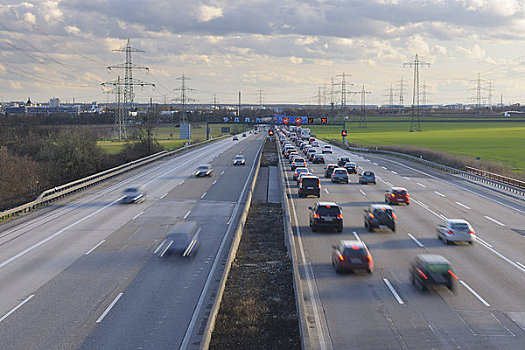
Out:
{"x": 183, "y": 240}
{"x": 431, "y": 269}
{"x": 329, "y": 169}
{"x": 135, "y": 194}
{"x": 309, "y": 186}
{"x": 326, "y": 215}
{"x": 350, "y": 167}
{"x": 380, "y": 216}
{"x": 318, "y": 159}
{"x": 342, "y": 161}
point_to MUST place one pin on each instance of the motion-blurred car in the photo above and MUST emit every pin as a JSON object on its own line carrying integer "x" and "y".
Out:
{"x": 134, "y": 194}
{"x": 327, "y": 149}
{"x": 299, "y": 171}
{"x": 350, "y": 256}
{"x": 430, "y": 269}
{"x": 339, "y": 175}
{"x": 351, "y": 167}
{"x": 318, "y": 159}
{"x": 243, "y": 135}
{"x": 367, "y": 177}
{"x": 309, "y": 185}
{"x": 380, "y": 216}
{"x": 204, "y": 170}
{"x": 456, "y": 230}
{"x": 298, "y": 163}
{"x": 343, "y": 160}
{"x": 315, "y": 143}
{"x": 239, "y": 160}
{"x": 183, "y": 240}
{"x": 326, "y": 215}
{"x": 397, "y": 195}
{"x": 235, "y": 138}
{"x": 329, "y": 169}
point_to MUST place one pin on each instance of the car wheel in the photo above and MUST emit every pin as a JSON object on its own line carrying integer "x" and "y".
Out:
{"x": 338, "y": 269}
{"x": 369, "y": 271}
{"x": 448, "y": 242}
{"x": 408, "y": 203}
{"x": 339, "y": 229}
{"x": 314, "y": 228}
{"x": 471, "y": 243}
{"x": 394, "y": 228}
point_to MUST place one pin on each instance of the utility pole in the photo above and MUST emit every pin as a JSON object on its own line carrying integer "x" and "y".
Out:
{"x": 490, "y": 94}
{"x": 478, "y": 89}
{"x": 260, "y": 99}
{"x": 363, "y": 92}
{"x": 184, "y": 89}
{"x": 401, "y": 93}
{"x": 343, "y": 90}
{"x": 332, "y": 99}
{"x": 214, "y": 102}
{"x": 239, "y": 108}
{"x": 415, "y": 121}
{"x": 319, "y": 97}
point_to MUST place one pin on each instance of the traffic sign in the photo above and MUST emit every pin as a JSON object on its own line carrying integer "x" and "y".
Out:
{"x": 324, "y": 120}
{"x": 286, "y": 120}
{"x": 310, "y": 120}
{"x": 298, "y": 120}
{"x": 270, "y": 133}
{"x": 343, "y": 133}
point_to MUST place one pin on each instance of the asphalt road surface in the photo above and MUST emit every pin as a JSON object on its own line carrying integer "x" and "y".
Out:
{"x": 384, "y": 310}
{"x": 85, "y": 273}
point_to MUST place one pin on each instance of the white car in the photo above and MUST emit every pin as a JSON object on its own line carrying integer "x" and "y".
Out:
{"x": 239, "y": 160}
{"x": 456, "y": 230}
{"x": 327, "y": 149}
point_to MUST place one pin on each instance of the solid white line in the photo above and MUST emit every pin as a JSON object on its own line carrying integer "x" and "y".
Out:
{"x": 421, "y": 184}
{"x": 416, "y": 240}
{"x": 357, "y": 236}
{"x": 393, "y": 172}
{"x": 520, "y": 264}
{"x": 222, "y": 172}
{"x": 136, "y": 216}
{"x": 387, "y": 282}
{"x": 164, "y": 195}
{"x": 166, "y": 249}
{"x": 204, "y": 194}
{"x": 214, "y": 182}
{"x": 326, "y": 191}
{"x": 109, "y": 308}
{"x": 95, "y": 247}
{"x": 474, "y": 293}
{"x": 406, "y": 178}
{"x": 158, "y": 248}
{"x": 180, "y": 183}
{"x": 505, "y": 258}
{"x": 494, "y": 220}
{"x": 462, "y": 205}
{"x": 364, "y": 194}
{"x": 483, "y": 241}
{"x": 384, "y": 167}
{"x": 16, "y": 307}
{"x": 439, "y": 194}
{"x": 441, "y": 216}
{"x": 188, "y": 213}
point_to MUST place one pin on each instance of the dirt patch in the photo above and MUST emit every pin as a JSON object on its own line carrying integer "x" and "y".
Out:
{"x": 258, "y": 309}
{"x": 269, "y": 155}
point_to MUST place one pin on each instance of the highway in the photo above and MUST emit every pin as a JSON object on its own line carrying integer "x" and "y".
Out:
{"x": 85, "y": 273}
{"x": 384, "y": 310}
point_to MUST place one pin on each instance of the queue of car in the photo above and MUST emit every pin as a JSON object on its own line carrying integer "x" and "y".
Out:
{"x": 425, "y": 270}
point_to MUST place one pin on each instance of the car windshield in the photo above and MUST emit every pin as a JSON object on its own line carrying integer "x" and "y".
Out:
{"x": 178, "y": 239}
{"x": 301, "y": 170}
{"x": 383, "y": 211}
{"x": 460, "y": 226}
{"x": 239, "y": 158}
{"x": 437, "y": 268}
{"x": 328, "y": 210}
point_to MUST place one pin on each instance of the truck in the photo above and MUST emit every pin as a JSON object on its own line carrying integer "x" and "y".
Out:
{"x": 305, "y": 133}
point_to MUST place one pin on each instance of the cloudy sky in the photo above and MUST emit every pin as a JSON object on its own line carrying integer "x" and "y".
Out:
{"x": 280, "y": 51}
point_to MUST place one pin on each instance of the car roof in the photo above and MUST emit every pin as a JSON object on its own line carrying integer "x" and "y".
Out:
{"x": 399, "y": 188}
{"x": 348, "y": 243}
{"x": 205, "y": 165}
{"x": 324, "y": 204}
{"x": 301, "y": 169}
{"x": 433, "y": 259}
{"x": 239, "y": 155}
{"x": 331, "y": 164}
{"x": 327, "y": 146}
{"x": 310, "y": 177}
{"x": 457, "y": 221}
{"x": 319, "y": 156}
{"x": 380, "y": 206}
{"x": 352, "y": 163}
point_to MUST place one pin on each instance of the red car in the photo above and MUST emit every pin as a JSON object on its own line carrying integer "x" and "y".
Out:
{"x": 397, "y": 195}
{"x": 351, "y": 255}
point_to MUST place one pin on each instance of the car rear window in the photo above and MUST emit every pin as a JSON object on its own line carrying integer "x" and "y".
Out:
{"x": 368, "y": 173}
{"x": 402, "y": 193}
{"x": 325, "y": 210}
{"x": 340, "y": 171}
{"x": 460, "y": 226}
{"x": 357, "y": 251}
{"x": 437, "y": 268}
{"x": 310, "y": 182}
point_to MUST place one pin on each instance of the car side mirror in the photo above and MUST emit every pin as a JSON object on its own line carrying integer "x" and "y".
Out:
{"x": 310, "y": 208}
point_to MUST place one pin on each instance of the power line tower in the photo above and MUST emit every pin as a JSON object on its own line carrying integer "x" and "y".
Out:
{"x": 490, "y": 94}
{"x": 129, "y": 82}
{"x": 343, "y": 89}
{"x": 184, "y": 89}
{"x": 239, "y": 107}
{"x": 401, "y": 93}
{"x": 332, "y": 99}
{"x": 260, "y": 98}
{"x": 415, "y": 121}
{"x": 319, "y": 97}
{"x": 363, "y": 92}
{"x": 120, "y": 122}
{"x": 478, "y": 89}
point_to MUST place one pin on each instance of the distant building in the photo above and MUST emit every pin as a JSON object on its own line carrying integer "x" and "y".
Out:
{"x": 54, "y": 102}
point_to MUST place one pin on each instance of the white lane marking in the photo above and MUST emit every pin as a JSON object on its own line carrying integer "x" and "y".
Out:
{"x": 406, "y": 178}
{"x": 164, "y": 195}
{"x": 384, "y": 167}
{"x": 16, "y": 307}
{"x": 439, "y": 194}
{"x": 462, "y": 205}
{"x": 166, "y": 249}
{"x": 357, "y": 236}
{"x": 494, "y": 220}
{"x": 95, "y": 247}
{"x": 158, "y": 248}
{"x": 197, "y": 310}
{"x": 474, "y": 293}
{"x": 416, "y": 240}
{"x": 393, "y": 172}
{"x": 520, "y": 264}
{"x": 489, "y": 247}
{"x": 387, "y": 282}
{"x": 483, "y": 241}
{"x": 222, "y": 172}
{"x": 136, "y": 216}
{"x": 109, "y": 308}
{"x": 47, "y": 239}
{"x": 214, "y": 182}
{"x": 188, "y": 213}
{"x": 203, "y": 195}
{"x": 374, "y": 163}
{"x": 441, "y": 216}
{"x": 326, "y": 191}
{"x": 421, "y": 184}
{"x": 180, "y": 183}
{"x": 364, "y": 194}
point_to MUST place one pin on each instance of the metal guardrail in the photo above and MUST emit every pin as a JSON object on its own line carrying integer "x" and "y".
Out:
{"x": 496, "y": 177}
{"x": 508, "y": 186}
{"x": 77, "y": 185}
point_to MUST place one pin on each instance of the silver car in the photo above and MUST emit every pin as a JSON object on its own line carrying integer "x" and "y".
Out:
{"x": 239, "y": 160}
{"x": 339, "y": 175}
{"x": 456, "y": 230}
{"x": 204, "y": 170}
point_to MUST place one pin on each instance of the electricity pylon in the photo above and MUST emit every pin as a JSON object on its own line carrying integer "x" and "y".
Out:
{"x": 415, "y": 121}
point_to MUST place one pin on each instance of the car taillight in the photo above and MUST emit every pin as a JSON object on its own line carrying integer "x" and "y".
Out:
{"x": 392, "y": 195}
{"x": 394, "y": 216}
{"x": 340, "y": 216}
{"x": 317, "y": 216}
{"x": 422, "y": 274}
{"x": 340, "y": 256}
{"x": 450, "y": 232}
{"x": 368, "y": 258}
{"x": 472, "y": 233}
{"x": 452, "y": 274}
{"x": 371, "y": 215}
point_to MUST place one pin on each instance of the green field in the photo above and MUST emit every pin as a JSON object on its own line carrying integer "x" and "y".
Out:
{"x": 168, "y": 136}
{"x": 502, "y": 142}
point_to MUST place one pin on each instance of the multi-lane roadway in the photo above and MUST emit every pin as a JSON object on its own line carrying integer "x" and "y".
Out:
{"x": 384, "y": 310}
{"x": 85, "y": 271}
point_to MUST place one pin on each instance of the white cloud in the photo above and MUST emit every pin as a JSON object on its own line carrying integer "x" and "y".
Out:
{"x": 476, "y": 53}
{"x": 30, "y": 18}
{"x": 295, "y": 60}
{"x": 73, "y": 30}
{"x": 16, "y": 85}
{"x": 417, "y": 45}
{"x": 208, "y": 13}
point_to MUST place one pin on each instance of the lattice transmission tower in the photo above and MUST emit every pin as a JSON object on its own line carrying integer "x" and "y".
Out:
{"x": 415, "y": 121}
{"x": 184, "y": 89}
{"x": 363, "y": 93}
